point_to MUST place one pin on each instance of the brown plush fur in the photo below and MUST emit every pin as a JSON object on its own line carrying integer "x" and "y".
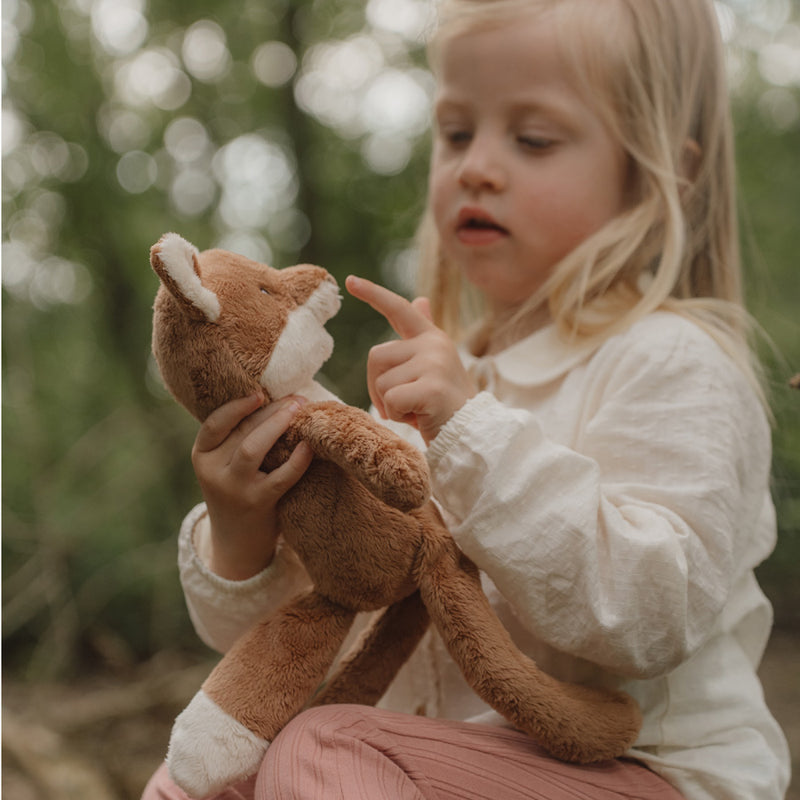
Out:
{"x": 360, "y": 522}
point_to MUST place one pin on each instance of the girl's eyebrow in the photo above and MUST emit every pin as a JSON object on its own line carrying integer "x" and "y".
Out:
{"x": 553, "y": 114}
{"x": 444, "y": 104}
{"x": 518, "y": 110}
{"x": 545, "y": 104}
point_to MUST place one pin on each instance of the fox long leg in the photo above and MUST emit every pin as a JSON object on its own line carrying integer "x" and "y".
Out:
{"x": 366, "y": 675}
{"x": 266, "y": 678}
{"x": 260, "y": 684}
{"x": 574, "y": 723}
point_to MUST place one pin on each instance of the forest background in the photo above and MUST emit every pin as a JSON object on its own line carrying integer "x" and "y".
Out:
{"x": 292, "y": 130}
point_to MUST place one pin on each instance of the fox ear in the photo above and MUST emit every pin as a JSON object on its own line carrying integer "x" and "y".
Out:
{"x": 175, "y": 261}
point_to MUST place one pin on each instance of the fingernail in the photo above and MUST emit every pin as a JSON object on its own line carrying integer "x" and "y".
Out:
{"x": 304, "y": 449}
{"x": 294, "y": 404}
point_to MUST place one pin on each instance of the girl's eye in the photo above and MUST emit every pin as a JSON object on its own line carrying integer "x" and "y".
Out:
{"x": 535, "y": 142}
{"x": 457, "y": 137}
{"x": 264, "y": 290}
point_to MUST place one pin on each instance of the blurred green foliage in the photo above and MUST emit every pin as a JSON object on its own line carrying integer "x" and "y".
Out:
{"x": 122, "y": 121}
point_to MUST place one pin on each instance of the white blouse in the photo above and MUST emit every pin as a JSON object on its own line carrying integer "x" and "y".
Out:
{"x": 617, "y": 500}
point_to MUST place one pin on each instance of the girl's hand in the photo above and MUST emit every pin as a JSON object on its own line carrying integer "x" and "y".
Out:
{"x": 241, "y": 499}
{"x": 419, "y": 378}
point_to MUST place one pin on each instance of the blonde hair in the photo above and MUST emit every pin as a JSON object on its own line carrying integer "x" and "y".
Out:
{"x": 655, "y": 71}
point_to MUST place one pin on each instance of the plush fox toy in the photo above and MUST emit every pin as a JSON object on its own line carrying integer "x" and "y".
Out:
{"x": 360, "y": 522}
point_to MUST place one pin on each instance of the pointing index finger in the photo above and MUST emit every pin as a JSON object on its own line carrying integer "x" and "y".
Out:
{"x": 406, "y": 320}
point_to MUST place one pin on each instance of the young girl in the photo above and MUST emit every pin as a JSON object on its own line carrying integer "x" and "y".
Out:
{"x": 597, "y": 438}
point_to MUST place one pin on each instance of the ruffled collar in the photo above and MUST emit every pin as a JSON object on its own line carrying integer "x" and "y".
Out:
{"x": 536, "y": 359}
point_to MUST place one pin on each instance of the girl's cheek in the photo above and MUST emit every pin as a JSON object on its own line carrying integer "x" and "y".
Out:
{"x": 438, "y": 210}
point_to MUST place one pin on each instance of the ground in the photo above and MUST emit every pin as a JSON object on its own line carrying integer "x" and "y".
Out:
{"x": 101, "y": 739}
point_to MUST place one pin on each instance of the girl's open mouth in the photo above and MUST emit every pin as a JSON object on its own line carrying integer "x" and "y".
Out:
{"x": 476, "y": 227}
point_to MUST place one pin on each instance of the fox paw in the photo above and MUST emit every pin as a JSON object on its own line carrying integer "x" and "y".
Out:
{"x": 209, "y": 749}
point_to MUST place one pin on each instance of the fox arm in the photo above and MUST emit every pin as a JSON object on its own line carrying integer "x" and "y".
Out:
{"x": 391, "y": 469}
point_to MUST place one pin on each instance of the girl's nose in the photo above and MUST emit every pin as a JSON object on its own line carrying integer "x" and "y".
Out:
{"x": 481, "y": 168}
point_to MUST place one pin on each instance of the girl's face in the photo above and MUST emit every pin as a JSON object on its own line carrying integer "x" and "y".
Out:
{"x": 523, "y": 170}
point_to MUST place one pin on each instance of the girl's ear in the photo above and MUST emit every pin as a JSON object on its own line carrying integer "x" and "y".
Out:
{"x": 691, "y": 158}
{"x": 176, "y": 262}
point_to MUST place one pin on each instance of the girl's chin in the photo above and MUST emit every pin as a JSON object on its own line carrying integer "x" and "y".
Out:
{"x": 497, "y": 301}
{"x": 487, "y": 279}
{"x": 503, "y": 300}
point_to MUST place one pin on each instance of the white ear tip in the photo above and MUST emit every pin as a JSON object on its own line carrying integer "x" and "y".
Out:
{"x": 178, "y": 257}
{"x": 173, "y": 249}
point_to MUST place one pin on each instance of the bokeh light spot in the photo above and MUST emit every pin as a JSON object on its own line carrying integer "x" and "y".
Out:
{"x": 205, "y": 51}
{"x": 274, "y": 64}
{"x": 136, "y": 171}
{"x": 186, "y": 139}
{"x": 119, "y": 25}
{"x": 192, "y": 192}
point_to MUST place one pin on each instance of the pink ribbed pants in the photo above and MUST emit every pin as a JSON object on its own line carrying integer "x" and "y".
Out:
{"x": 349, "y": 752}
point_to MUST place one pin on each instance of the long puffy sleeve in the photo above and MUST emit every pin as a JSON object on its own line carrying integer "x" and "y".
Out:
{"x": 616, "y": 510}
{"x": 221, "y": 610}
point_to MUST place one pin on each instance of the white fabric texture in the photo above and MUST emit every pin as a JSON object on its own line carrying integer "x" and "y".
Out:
{"x": 617, "y": 500}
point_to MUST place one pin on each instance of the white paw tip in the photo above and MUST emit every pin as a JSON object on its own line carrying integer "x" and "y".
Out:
{"x": 209, "y": 750}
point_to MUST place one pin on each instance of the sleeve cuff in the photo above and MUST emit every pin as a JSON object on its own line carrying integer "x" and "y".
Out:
{"x": 192, "y": 564}
{"x": 458, "y": 426}
{"x": 222, "y": 609}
